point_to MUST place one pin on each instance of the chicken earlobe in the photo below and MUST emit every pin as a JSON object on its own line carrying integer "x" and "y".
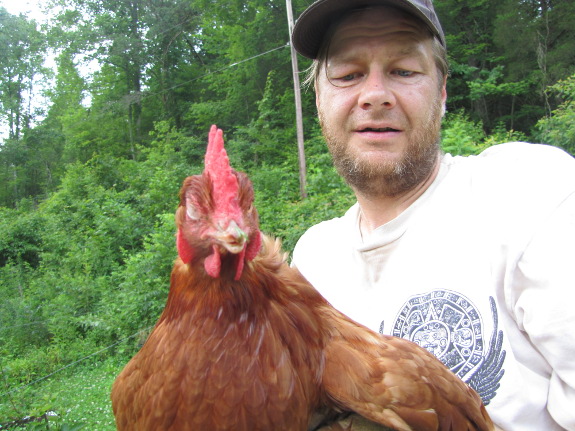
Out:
{"x": 185, "y": 252}
{"x": 254, "y": 246}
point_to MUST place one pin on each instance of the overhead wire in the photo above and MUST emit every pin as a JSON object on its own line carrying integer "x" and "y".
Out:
{"x": 36, "y": 322}
{"x": 229, "y": 66}
{"x": 71, "y": 364}
{"x": 139, "y": 332}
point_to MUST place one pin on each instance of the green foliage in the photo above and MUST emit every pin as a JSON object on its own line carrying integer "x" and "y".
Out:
{"x": 91, "y": 264}
{"x": 557, "y": 129}
{"x": 78, "y": 399}
{"x": 91, "y": 179}
{"x": 503, "y": 54}
{"x": 282, "y": 213}
{"x": 462, "y": 136}
{"x": 20, "y": 242}
{"x": 21, "y": 60}
{"x": 500, "y": 134}
{"x": 134, "y": 300}
{"x": 270, "y": 137}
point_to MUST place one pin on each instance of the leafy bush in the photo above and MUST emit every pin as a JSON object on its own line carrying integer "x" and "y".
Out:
{"x": 462, "y": 136}
{"x": 557, "y": 129}
{"x": 21, "y": 228}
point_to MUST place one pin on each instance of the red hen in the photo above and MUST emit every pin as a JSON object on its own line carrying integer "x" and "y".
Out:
{"x": 245, "y": 343}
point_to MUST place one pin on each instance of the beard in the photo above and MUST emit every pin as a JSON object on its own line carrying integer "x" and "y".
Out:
{"x": 393, "y": 177}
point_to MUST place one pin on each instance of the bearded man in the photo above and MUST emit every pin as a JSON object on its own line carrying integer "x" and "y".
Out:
{"x": 471, "y": 257}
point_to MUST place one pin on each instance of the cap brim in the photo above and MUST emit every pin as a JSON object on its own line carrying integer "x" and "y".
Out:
{"x": 312, "y": 25}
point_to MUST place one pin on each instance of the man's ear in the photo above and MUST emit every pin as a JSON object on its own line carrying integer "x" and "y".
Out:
{"x": 444, "y": 96}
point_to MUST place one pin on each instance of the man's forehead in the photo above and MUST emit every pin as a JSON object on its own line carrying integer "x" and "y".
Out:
{"x": 364, "y": 27}
{"x": 377, "y": 20}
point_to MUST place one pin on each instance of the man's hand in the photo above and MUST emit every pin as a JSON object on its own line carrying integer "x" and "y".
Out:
{"x": 353, "y": 423}
{"x": 357, "y": 423}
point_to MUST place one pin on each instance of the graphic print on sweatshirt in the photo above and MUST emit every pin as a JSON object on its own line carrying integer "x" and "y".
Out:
{"x": 449, "y": 325}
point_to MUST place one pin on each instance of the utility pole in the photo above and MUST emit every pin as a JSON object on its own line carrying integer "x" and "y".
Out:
{"x": 298, "y": 114}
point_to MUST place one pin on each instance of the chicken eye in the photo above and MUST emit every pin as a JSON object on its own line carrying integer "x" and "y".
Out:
{"x": 192, "y": 213}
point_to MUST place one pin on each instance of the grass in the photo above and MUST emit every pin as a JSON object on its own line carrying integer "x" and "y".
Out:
{"x": 79, "y": 396}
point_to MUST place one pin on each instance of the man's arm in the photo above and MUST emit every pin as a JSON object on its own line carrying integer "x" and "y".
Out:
{"x": 542, "y": 302}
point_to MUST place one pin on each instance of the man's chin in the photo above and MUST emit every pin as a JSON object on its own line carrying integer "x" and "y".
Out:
{"x": 385, "y": 173}
{"x": 373, "y": 164}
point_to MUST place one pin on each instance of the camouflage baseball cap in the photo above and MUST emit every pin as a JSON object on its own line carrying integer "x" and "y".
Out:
{"x": 312, "y": 25}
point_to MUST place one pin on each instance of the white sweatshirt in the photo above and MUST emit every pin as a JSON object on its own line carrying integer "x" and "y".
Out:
{"x": 480, "y": 270}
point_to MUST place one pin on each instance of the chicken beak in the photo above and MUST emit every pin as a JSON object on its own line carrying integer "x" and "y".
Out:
{"x": 233, "y": 238}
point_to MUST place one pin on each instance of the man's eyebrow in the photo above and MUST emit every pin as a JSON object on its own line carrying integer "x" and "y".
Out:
{"x": 351, "y": 55}
{"x": 410, "y": 50}
{"x": 407, "y": 50}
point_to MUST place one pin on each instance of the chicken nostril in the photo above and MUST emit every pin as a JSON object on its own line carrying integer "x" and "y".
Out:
{"x": 234, "y": 231}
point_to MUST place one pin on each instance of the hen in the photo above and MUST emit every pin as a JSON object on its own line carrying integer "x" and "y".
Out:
{"x": 245, "y": 343}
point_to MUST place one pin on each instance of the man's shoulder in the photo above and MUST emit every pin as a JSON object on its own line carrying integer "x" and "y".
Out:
{"x": 327, "y": 228}
{"x": 518, "y": 165}
{"x": 516, "y": 154}
{"x": 516, "y": 184}
{"x": 326, "y": 234}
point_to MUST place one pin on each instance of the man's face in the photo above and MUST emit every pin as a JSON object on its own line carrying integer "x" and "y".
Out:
{"x": 380, "y": 101}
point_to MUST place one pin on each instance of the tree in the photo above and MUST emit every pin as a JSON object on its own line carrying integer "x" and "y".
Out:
{"x": 21, "y": 60}
{"x": 503, "y": 54}
{"x": 468, "y": 27}
{"x": 176, "y": 59}
{"x": 557, "y": 129}
{"x": 111, "y": 31}
{"x": 535, "y": 37}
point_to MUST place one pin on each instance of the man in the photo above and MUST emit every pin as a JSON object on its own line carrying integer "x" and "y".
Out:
{"x": 470, "y": 257}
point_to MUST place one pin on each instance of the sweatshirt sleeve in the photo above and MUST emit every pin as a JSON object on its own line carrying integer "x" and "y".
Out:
{"x": 542, "y": 298}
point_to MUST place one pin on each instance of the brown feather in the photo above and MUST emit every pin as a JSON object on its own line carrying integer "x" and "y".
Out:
{"x": 260, "y": 349}
{"x": 246, "y": 358}
{"x": 209, "y": 364}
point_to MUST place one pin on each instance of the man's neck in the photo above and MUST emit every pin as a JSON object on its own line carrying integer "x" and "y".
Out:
{"x": 375, "y": 211}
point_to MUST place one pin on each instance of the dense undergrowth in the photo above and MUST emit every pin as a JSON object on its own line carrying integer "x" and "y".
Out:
{"x": 84, "y": 272}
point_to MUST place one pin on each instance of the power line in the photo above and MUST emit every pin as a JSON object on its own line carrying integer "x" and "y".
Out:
{"x": 217, "y": 71}
{"x": 37, "y": 322}
{"x": 145, "y": 95}
{"x": 137, "y": 333}
{"x": 180, "y": 24}
{"x": 74, "y": 363}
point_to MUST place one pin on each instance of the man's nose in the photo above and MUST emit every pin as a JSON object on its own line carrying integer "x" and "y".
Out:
{"x": 376, "y": 92}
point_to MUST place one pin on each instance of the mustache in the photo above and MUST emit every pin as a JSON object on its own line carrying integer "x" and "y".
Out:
{"x": 391, "y": 177}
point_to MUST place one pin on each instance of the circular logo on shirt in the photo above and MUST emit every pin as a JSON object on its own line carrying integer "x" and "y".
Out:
{"x": 448, "y": 325}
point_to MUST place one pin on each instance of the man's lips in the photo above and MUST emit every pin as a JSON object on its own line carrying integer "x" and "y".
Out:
{"x": 376, "y": 129}
{"x": 378, "y": 134}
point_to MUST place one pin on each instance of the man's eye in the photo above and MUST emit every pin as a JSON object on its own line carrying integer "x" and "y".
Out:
{"x": 346, "y": 80}
{"x": 349, "y": 77}
{"x": 404, "y": 73}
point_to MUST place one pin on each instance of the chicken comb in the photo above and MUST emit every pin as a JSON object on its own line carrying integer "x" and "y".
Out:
{"x": 224, "y": 182}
